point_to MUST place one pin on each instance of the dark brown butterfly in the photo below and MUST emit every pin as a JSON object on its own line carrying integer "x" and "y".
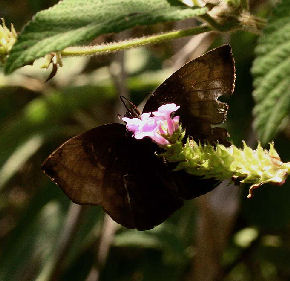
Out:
{"x": 106, "y": 166}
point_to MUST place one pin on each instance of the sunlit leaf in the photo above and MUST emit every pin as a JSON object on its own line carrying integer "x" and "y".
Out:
{"x": 73, "y": 22}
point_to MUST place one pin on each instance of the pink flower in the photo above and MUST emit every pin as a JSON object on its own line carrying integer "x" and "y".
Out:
{"x": 157, "y": 127}
{"x": 163, "y": 113}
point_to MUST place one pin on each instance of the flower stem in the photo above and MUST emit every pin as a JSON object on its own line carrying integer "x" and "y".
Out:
{"x": 133, "y": 43}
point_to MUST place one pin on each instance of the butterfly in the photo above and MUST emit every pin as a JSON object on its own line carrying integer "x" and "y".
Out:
{"x": 106, "y": 166}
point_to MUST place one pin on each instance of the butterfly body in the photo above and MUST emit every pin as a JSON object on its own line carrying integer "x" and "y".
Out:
{"x": 106, "y": 166}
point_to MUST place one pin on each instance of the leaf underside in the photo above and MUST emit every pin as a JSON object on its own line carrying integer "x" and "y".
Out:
{"x": 76, "y": 22}
{"x": 271, "y": 74}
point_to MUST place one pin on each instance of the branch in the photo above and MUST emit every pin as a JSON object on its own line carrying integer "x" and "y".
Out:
{"x": 107, "y": 235}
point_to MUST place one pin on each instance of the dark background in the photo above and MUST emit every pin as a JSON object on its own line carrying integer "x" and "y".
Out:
{"x": 220, "y": 236}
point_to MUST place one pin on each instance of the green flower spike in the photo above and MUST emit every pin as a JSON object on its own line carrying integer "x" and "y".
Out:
{"x": 7, "y": 40}
{"x": 243, "y": 165}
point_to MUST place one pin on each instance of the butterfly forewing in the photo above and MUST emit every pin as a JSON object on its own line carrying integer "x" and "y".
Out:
{"x": 106, "y": 166}
{"x": 196, "y": 87}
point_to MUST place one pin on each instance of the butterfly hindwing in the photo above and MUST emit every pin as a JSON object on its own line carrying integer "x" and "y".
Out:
{"x": 106, "y": 166}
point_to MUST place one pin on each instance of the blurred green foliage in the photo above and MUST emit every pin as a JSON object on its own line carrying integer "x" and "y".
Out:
{"x": 36, "y": 117}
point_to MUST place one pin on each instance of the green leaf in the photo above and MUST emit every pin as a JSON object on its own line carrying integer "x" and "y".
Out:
{"x": 271, "y": 74}
{"x": 19, "y": 157}
{"x": 75, "y": 22}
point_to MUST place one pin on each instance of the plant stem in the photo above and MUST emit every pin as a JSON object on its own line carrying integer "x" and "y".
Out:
{"x": 132, "y": 43}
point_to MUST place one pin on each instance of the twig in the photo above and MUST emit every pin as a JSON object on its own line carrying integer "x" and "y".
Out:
{"x": 71, "y": 226}
{"x": 107, "y": 235}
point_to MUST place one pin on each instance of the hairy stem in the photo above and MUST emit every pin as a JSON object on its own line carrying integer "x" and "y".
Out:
{"x": 133, "y": 43}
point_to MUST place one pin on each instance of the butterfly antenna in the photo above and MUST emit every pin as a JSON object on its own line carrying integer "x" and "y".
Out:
{"x": 132, "y": 110}
{"x": 124, "y": 100}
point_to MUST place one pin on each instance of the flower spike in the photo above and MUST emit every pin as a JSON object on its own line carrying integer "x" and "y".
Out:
{"x": 243, "y": 165}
